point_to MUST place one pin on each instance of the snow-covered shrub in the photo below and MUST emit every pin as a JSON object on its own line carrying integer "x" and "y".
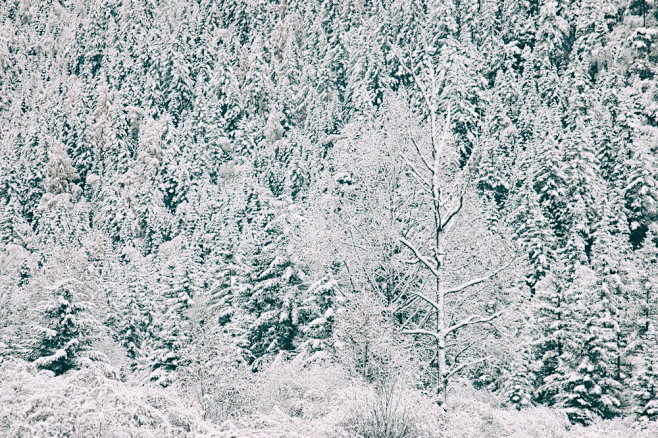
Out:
{"x": 366, "y": 342}
{"x": 289, "y": 398}
{"x": 386, "y": 414}
{"x": 475, "y": 413}
{"x": 391, "y": 409}
{"x": 87, "y": 403}
{"x": 619, "y": 428}
{"x": 224, "y": 391}
{"x": 308, "y": 391}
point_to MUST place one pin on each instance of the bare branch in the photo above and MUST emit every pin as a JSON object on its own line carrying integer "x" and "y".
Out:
{"x": 425, "y": 319}
{"x": 412, "y": 316}
{"x": 471, "y": 320}
{"x": 353, "y": 245}
{"x": 416, "y": 174}
{"x": 454, "y": 212}
{"x": 430, "y": 333}
{"x": 420, "y": 257}
{"x": 464, "y": 350}
{"x": 358, "y": 256}
{"x": 427, "y": 299}
{"x": 420, "y": 154}
{"x": 460, "y": 367}
{"x": 463, "y": 299}
{"x": 401, "y": 288}
{"x": 478, "y": 280}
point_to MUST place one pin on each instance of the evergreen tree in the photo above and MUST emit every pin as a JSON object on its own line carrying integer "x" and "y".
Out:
{"x": 57, "y": 221}
{"x": 366, "y": 74}
{"x": 543, "y": 165}
{"x": 171, "y": 326}
{"x": 132, "y": 303}
{"x": 141, "y": 196}
{"x": 518, "y": 387}
{"x": 641, "y": 190}
{"x": 552, "y": 319}
{"x": 535, "y": 234}
{"x": 586, "y": 189}
{"x": 645, "y": 381}
{"x": 110, "y": 134}
{"x": 461, "y": 95}
{"x": 14, "y": 229}
{"x": 589, "y": 385}
{"x": 317, "y": 308}
{"x": 273, "y": 296}
{"x": 68, "y": 332}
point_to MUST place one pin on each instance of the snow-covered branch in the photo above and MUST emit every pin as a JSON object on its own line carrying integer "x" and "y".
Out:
{"x": 461, "y": 366}
{"x": 471, "y": 320}
{"x": 427, "y": 299}
{"x": 424, "y": 260}
{"x": 422, "y": 332}
{"x": 478, "y": 280}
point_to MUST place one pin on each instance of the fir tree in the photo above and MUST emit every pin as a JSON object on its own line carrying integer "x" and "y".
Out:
{"x": 273, "y": 296}
{"x": 317, "y": 310}
{"x": 171, "y": 327}
{"x": 552, "y": 319}
{"x": 589, "y": 385}
{"x": 68, "y": 332}
{"x": 132, "y": 304}
{"x": 57, "y": 221}
{"x": 518, "y": 388}
{"x": 462, "y": 94}
{"x": 535, "y": 234}
{"x": 645, "y": 380}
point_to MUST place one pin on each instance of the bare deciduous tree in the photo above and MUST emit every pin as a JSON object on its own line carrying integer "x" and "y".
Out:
{"x": 446, "y": 190}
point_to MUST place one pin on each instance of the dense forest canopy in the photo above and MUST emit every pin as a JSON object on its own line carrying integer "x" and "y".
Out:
{"x": 264, "y": 214}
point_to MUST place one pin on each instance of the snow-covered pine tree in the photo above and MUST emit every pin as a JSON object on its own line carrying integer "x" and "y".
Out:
{"x": 109, "y": 136}
{"x": 175, "y": 83}
{"x": 518, "y": 387}
{"x": 141, "y": 197}
{"x": 61, "y": 176}
{"x": 461, "y": 94}
{"x": 641, "y": 186}
{"x": 645, "y": 381}
{"x": 551, "y": 36}
{"x": 535, "y": 234}
{"x": 586, "y": 188}
{"x": 548, "y": 174}
{"x": 589, "y": 386}
{"x": 610, "y": 248}
{"x": 274, "y": 280}
{"x": 549, "y": 308}
{"x": 68, "y": 330}
{"x": 171, "y": 326}
{"x": 366, "y": 74}
{"x": 131, "y": 301}
{"x": 14, "y": 229}
{"x": 57, "y": 219}
{"x": 316, "y": 312}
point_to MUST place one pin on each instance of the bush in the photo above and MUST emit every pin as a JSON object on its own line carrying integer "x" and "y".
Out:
{"x": 477, "y": 413}
{"x": 87, "y": 403}
{"x": 385, "y": 415}
{"x": 619, "y": 428}
{"x": 391, "y": 409}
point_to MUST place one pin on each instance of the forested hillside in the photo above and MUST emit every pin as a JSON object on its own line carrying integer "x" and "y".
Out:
{"x": 331, "y": 218}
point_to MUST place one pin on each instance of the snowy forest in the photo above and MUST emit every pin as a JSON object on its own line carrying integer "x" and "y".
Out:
{"x": 329, "y": 218}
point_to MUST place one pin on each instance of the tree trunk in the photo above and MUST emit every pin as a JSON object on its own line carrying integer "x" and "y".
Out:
{"x": 440, "y": 345}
